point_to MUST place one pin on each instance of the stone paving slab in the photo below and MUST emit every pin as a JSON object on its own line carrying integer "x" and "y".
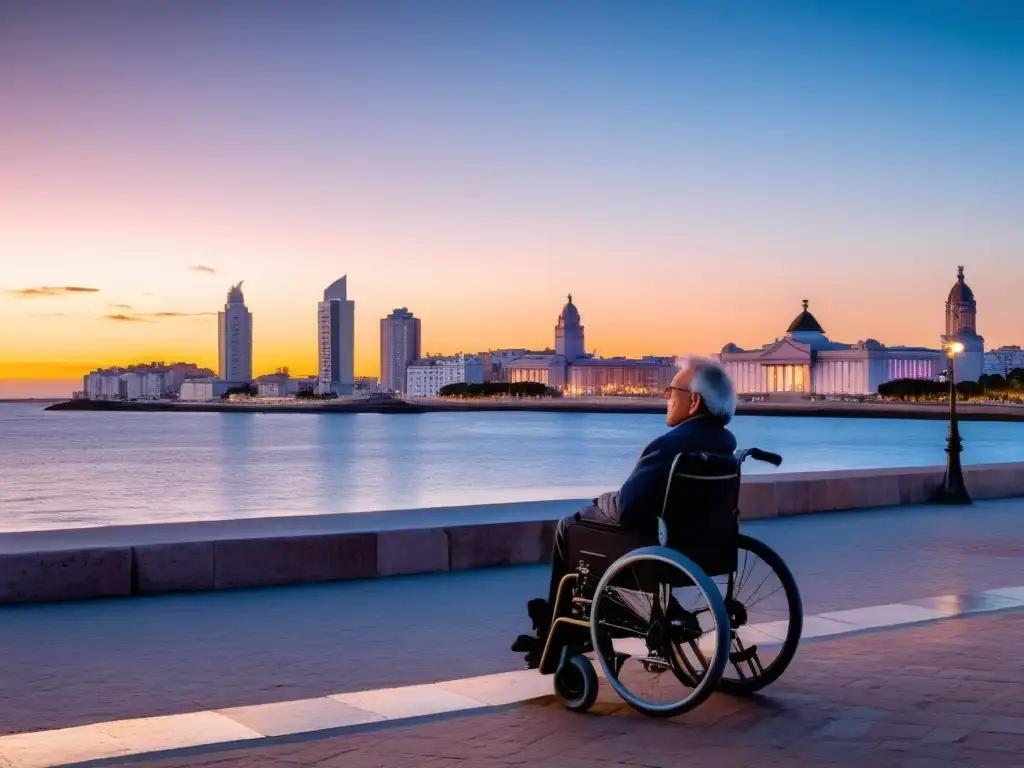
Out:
{"x": 348, "y": 711}
{"x": 940, "y": 695}
{"x": 82, "y": 663}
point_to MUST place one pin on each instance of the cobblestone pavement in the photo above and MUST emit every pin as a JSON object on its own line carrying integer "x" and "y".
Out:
{"x": 935, "y": 696}
{"x": 80, "y": 663}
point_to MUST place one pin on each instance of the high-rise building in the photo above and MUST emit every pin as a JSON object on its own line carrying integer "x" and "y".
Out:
{"x": 336, "y": 322}
{"x": 399, "y": 347}
{"x": 235, "y": 338}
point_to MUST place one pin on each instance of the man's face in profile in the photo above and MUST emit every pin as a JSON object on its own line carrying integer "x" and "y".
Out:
{"x": 682, "y": 403}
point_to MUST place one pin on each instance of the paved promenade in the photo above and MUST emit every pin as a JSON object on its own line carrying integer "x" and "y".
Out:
{"x": 942, "y": 695}
{"x": 79, "y": 664}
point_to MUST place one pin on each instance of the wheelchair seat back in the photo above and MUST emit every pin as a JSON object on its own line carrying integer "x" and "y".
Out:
{"x": 700, "y": 517}
{"x": 701, "y": 510}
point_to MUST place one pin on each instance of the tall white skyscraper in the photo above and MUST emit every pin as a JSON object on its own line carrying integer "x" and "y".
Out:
{"x": 336, "y": 322}
{"x": 399, "y": 346}
{"x": 235, "y": 338}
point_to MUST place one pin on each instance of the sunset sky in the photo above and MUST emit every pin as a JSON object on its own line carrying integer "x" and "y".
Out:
{"x": 689, "y": 171}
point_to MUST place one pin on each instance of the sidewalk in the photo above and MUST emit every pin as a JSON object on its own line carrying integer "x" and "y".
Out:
{"x": 935, "y": 696}
{"x": 73, "y": 664}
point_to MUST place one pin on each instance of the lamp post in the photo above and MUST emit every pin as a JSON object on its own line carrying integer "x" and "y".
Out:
{"x": 953, "y": 490}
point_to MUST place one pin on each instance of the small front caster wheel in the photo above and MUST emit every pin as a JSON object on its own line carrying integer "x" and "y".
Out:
{"x": 576, "y": 683}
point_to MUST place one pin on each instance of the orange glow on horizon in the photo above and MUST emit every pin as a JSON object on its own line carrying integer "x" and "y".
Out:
{"x": 64, "y": 345}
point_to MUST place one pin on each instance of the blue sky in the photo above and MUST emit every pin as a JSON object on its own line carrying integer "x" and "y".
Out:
{"x": 463, "y": 157}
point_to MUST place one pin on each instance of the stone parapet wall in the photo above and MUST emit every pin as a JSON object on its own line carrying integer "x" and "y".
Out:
{"x": 186, "y": 557}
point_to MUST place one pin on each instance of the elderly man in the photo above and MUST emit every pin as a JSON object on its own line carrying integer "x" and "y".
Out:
{"x": 701, "y": 402}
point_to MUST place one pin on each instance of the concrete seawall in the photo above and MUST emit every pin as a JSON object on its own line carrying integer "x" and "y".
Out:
{"x": 75, "y": 564}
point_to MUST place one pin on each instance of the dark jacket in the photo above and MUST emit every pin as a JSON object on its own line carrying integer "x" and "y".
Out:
{"x": 642, "y": 495}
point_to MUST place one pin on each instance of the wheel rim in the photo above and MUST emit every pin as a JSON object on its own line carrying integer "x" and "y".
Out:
{"x": 765, "y": 615}
{"x": 571, "y": 682}
{"x": 647, "y": 633}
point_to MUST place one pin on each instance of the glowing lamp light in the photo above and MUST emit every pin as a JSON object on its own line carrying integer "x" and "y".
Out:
{"x": 956, "y": 348}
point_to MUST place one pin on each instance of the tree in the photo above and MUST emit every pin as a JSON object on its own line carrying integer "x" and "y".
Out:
{"x": 913, "y": 388}
{"x": 249, "y": 390}
{"x": 308, "y": 393}
{"x": 495, "y": 389}
{"x": 970, "y": 388}
{"x": 992, "y": 381}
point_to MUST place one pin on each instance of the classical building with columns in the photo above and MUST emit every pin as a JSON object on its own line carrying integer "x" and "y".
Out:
{"x": 572, "y": 370}
{"x": 806, "y": 361}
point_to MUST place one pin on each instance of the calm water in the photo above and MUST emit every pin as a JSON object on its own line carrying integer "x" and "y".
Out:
{"x": 83, "y": 469}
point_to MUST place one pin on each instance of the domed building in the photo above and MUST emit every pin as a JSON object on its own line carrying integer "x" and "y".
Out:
{"x": 571, "y": 369}
{"x": 569, "y": 333}
{"x": 805, "y": 361}
{"x": 961, "y": 327}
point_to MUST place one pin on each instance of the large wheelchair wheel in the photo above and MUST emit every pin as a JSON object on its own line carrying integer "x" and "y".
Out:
{"x": 766, "y": 618}
{"x": 641, "y": 630}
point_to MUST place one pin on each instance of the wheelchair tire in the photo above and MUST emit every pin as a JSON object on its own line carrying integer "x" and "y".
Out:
{"x": 794, "y": 603}
{"x": 576, "y": 683}
{"x": 692, "y": 573}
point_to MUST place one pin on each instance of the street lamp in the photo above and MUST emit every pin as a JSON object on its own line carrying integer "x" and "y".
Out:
{"x": 953, "y": 490}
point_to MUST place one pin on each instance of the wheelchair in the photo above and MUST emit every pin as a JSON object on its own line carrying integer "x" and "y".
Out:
{"x": 674, "y": 614}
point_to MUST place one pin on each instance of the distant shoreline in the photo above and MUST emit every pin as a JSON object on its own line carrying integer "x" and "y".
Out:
{"x": 805, "y": 409}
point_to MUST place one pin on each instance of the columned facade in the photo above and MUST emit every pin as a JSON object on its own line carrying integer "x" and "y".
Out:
{"x": 570, "y": 369}
{"x": 806, "y": 362}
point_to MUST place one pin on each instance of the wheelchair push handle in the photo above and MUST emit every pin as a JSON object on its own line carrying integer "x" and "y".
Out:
{"x": 758, "y": 455}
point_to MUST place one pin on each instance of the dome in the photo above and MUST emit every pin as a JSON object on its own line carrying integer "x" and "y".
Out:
{"x": 730, "y": 348}
{"x": 869, "y": 344}
{"x": 960, "y": 293}
{"x": 569, "y": 315}
{"x": 805, "y": 322}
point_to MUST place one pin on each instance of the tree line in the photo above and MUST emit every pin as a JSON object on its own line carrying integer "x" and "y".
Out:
{"x": 915, "y": 389}
{"x": 497, "y": 389}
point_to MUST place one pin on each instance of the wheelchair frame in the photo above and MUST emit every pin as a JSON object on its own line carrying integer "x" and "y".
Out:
{"x": 574, "y": 613}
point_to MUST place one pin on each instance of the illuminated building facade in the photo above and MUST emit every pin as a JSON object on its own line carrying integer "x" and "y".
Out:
{"x": 570, "y": 369}
{"x": 806, "y": 362}
{"x": 961, "y": 327}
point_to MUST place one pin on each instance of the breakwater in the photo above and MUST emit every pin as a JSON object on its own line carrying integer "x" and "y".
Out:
{"x": 789, "y": 407}
{"x": 121, "y": 561}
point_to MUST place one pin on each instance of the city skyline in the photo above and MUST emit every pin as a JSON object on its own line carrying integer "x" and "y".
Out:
{"x": 690, "y": 173}
{"x": 309, "y": 362}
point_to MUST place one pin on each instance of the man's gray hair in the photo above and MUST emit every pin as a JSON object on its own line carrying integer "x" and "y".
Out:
{"x": 714, "y": 386}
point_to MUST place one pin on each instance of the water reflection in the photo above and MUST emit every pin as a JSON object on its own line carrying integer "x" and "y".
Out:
{"x": 73, "y": 469}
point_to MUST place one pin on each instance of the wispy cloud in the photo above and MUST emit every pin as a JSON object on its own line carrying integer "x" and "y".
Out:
{"x": 125, "y": 318}
{"x": 141, "y": 317}
{"x": 50, "y": 290}
{"x": 120, "y": 306}
{"x": 204, "y": 269}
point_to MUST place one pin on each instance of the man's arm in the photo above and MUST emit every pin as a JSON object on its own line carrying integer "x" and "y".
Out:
{"x": 641, "y": 495}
